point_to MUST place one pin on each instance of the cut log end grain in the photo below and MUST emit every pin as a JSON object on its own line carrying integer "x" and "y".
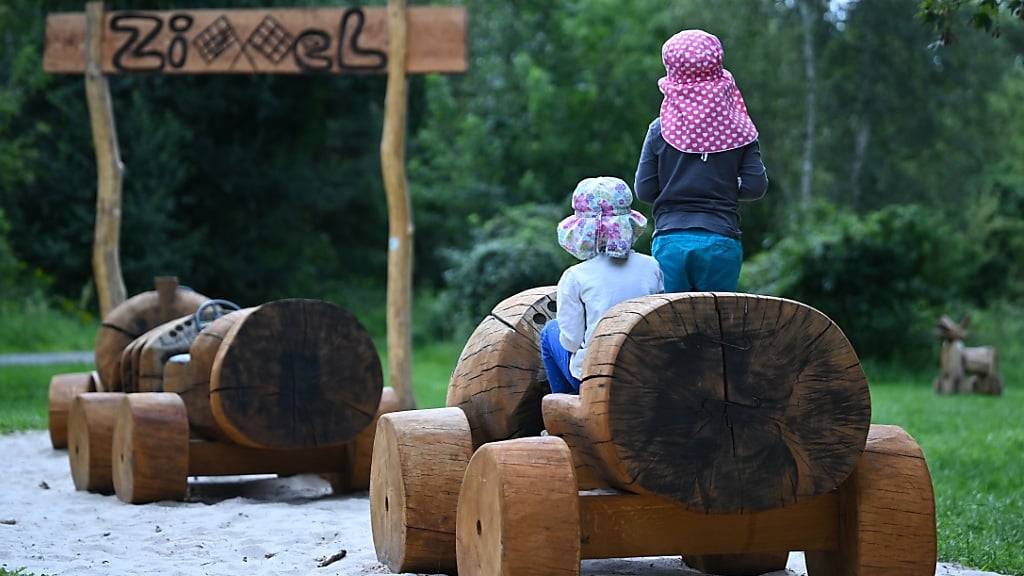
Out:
{"x": 195, "y": 388}
{"x": 63, "y": 389}
{"x": 725, "y": 403}
{"x": 296, "y": 374}
{"x": 133, "y": 318}
{"x": 90, "y": 436}
{"x": 519, "y": 510}
{"x": 499, "y": 380}
{"x": 419, "y": 458}
{"x": 887, "y": 513}
{"x": 150, "y": 450}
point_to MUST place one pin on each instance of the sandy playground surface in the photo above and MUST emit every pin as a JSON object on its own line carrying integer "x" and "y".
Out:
{"x": 228, "y": 526}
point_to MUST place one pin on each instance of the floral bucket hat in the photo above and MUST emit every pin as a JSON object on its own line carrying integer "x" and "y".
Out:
{"x": 603, "y": 220}
{"x": 703, "y": 110}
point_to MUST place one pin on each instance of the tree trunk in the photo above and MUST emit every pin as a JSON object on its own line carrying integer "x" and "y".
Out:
{"x": 809, "y": 17}
{"x": 860, "y": 146}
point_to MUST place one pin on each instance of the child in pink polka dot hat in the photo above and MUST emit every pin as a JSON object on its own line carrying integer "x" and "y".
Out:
{"x": 699, "y": 161}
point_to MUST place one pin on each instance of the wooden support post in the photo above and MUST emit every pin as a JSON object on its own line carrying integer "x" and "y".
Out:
{"x": 400, "y": 225}
{"x": 106, "y": 263}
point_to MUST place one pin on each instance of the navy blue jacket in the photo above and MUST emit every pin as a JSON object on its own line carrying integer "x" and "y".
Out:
{"x": 698, "y": 191}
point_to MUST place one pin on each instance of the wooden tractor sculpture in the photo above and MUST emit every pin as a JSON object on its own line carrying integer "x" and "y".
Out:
{"x": 131, "y": 320}
{"x": 729, "y": 429}
{"x": 289, "y": 387}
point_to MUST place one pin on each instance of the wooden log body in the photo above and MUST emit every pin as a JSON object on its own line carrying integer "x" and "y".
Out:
{"x": 133, "y": 318}
{"x": 519, "y": 511}
{"x": 295, "y": 374}
{"x": 360, "y": 450}
{"x": 739, "y": 564}
{"x": 886, "y": 522}
{"x": 951, "y": 368}
{"x": 192, "y": 381}
{"x": 880, "y": 521}
{"x": 90, "y": 437}
{"x": 63, "y": 389}
{"x": 419, "y": 458}
{"x": 131, "y": 359}
{"x": 721, "y": 402}
{"x": 153, "y": 456}
{"x": 173, "y": 338}
{"x": 499, "y": 380}
{"x": 980, "y": 360}
{"x": 562, "y": 419}
{"x": 207, "y": 458}
{"x": 982, "y": 364}
{"x": 150, "y": 451}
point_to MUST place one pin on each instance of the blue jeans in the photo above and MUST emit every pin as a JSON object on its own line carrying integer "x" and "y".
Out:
{"x": 556, "y": 361}
{"x": 698, "y": 261}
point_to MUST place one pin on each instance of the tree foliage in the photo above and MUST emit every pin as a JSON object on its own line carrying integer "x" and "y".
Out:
{"x": 260, "y": 187}
{"x": 986, "y": 15}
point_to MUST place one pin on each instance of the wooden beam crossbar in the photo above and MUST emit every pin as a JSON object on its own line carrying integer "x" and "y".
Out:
{"x": 622, "y": 525}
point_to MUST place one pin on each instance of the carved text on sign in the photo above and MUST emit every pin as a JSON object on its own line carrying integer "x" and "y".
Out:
{"x": 251, "y": 41}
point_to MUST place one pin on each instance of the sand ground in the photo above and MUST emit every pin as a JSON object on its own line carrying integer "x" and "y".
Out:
{"x": 262, "y": 526}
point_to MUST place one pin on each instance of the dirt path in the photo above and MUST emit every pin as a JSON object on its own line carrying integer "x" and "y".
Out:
{"x": 267, "y": 526}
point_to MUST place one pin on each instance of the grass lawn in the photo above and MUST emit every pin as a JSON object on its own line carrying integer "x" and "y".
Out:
{"x": 974, "y": 445}
{"x": 32, "y": 326}
{"x": 975, "y": 451}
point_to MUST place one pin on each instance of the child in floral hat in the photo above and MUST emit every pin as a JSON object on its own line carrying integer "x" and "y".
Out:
{"x": 600, "y": 232}
{"x": 699, "y": 160}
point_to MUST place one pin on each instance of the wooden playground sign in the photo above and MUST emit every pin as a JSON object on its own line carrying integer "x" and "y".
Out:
{"x": 258, "y": 41}
{"x": 396, "y": 40}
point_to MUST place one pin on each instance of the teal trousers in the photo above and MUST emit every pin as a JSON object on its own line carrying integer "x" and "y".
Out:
{"x": 698, "y": 261}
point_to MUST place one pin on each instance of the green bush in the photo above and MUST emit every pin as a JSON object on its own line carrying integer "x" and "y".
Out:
{"x": 883, "y": 277}
{"x": 515, "y": 250}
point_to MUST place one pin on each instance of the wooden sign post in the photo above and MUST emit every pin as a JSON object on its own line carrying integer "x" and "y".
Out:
{"x": 106, "y": 260}
{"x": 355, "y": 40}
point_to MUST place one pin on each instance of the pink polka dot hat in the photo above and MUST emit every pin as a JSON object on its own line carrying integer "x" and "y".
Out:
{"x": 703, "y": 110}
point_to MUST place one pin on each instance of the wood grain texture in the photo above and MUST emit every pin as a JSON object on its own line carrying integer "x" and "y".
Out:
{"x": 90, "y": 437}
{"x": 106, "y": 260}
{"x": 174, "y": 337}
{"x": 499, "y": 380}
{"x": 260, "y": 41}
{"x": 724, "y": 403}
{"x": 295, "y": 374}
{"x": 400, "y": 219}
{"x": 887, "y": 513}
{"x": 207, "y": 458}
{"x": 62, "y": 392}
{"x": 194, "y": 388}
{"x": 739, "y": 564}
{"x": 564, "y": 418}
{"x": 519, "y": 511}
{"x": 620, "y": 525}
{"x": 419, "y": 458}
{"x": 361, "y": 449}
{"x": 133, "y": 318}
{"x": 150, "y": 450}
